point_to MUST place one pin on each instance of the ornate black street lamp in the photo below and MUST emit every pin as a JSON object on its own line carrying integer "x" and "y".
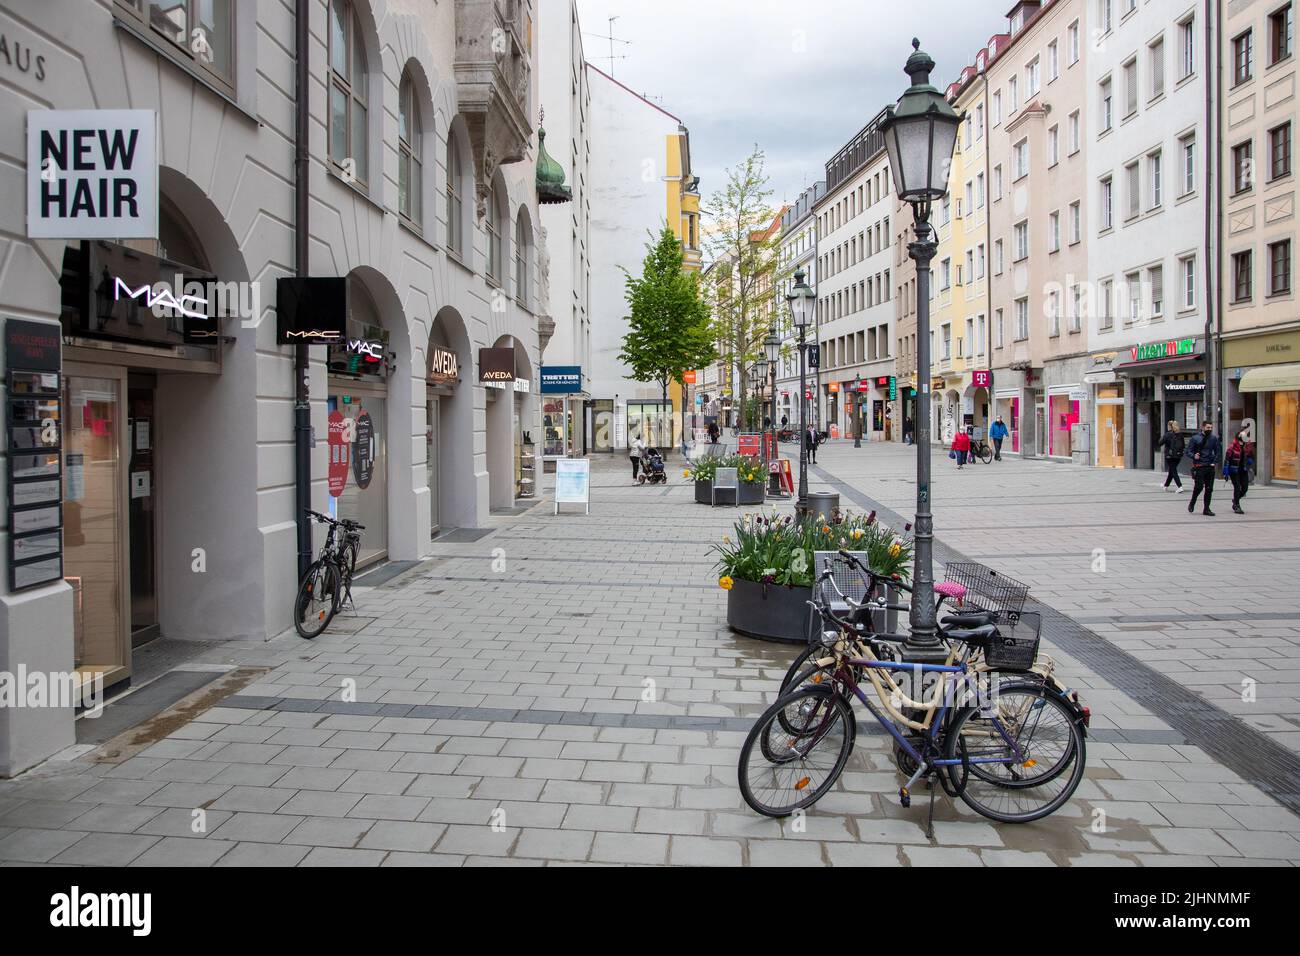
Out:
{"x": 920, "y": 133}
{"x": 803, "y": 305}
{"x": 857, "y": 410}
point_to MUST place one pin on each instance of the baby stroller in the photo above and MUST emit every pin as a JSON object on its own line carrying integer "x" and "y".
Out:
{"x": 652, "y": 468}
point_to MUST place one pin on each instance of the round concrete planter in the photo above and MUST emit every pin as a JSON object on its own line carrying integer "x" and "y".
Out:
{"x": 771, "y": 613}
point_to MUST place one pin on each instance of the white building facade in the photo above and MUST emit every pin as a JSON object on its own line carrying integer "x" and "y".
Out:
{"x": 855, "y": 305}
{"x": 566, "y": 214}
{"x": 175, "y": 468}
{"x": 1148, "y": 246}
{"x": 797, "y": 250}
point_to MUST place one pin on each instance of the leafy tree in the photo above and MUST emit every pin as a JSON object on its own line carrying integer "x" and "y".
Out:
{"x": 669, "y": 331}
{"x": 742, "y": 242}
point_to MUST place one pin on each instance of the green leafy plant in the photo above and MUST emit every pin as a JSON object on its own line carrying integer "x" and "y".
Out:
{"x": 748, "y": 468}
{"x": 775, "y": 549}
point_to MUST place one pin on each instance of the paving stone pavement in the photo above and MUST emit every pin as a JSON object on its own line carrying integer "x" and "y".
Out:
{"x": 488, "y": 706}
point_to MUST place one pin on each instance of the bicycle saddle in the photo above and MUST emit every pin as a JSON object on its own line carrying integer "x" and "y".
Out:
{"x": 967, "y": 619}
{"x": 973, "y": 635}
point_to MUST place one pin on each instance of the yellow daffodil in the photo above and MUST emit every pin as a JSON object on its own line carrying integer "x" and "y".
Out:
{"x": 857, "y": 533}
{"x": 826, "y": 529}
{"x": 895, "y": 549}
{"x": 686, "y": 474}
{"x": 725, "y": 582}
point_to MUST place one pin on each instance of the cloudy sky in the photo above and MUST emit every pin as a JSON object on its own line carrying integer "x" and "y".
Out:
{"x": 798, "y": 77}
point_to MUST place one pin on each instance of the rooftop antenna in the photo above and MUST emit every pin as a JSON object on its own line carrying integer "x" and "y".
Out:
{"x": 612, "y": 40}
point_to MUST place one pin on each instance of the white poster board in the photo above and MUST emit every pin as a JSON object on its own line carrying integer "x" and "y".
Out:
{"x": 92, "y": 174}
{"x": 572, "y": 482}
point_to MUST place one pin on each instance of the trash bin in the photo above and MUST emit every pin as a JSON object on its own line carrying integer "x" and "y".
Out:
{"x": 823, "y": 503}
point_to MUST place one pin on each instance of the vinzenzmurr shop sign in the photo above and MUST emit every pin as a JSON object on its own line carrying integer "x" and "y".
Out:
{"x": 92, "y": 174}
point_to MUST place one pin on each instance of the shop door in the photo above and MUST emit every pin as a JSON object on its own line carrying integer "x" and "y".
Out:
{"x": 94, "y": 519}
{"x": 1286, "y": 406}
{"x": 1040, "y": 430}
{"x": 1110, "y": 436}
{"x": 431, "y": 460}
{"x": 142, "y": 505}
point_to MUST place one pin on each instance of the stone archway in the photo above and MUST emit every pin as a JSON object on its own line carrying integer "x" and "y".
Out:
{"x": 509, "y": 414}
{"x": 452, "y": 475}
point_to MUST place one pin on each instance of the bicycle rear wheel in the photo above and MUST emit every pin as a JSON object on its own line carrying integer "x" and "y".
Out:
{"x": 317, "y": 599}
{"x": 782, "y": 771}
{"x": 1010, "y": 788}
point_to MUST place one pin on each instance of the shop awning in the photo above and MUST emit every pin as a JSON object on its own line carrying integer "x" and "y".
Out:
{"x": 1271, "y": 378}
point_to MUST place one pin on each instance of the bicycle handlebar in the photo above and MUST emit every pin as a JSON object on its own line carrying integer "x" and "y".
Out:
{"x": 342, "y": 522}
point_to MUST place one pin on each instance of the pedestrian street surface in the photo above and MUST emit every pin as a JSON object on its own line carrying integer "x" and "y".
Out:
{"x": 501, "y": 714}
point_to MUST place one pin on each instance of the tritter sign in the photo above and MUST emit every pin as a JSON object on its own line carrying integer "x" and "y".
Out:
{"x": 92, "y": 174}
{"x": 1173, "y": 348}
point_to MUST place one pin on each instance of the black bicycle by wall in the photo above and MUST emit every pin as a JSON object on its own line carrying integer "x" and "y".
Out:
{"x": 327, "y": 585}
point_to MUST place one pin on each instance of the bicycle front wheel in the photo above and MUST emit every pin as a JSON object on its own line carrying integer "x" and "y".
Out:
{"x": 782, "y": 771}
{"x": 986, "y": 454}
{"x": 317, "y": 599}
{"x": 1024, "y": 782}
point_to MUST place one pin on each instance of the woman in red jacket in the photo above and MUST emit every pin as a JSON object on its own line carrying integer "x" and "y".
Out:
{"x": 961, "y": 445}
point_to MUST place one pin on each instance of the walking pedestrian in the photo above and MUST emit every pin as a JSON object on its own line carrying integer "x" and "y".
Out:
{"x": 998, "y": 434}
{"x": 907, "y": 430}
{"x": 1174, "y": 444}
{"x": 714, "y": 431}
{"x": 1204, "y": 450}
{"x": 635, "y": 454}
{"x": 1237, "y": 462}
{"x": 811, "y": 441}
{"x": 961, "y": 445}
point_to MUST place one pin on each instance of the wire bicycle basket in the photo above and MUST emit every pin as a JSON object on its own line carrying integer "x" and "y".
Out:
{"x": 1016, "y": 648}
{"x": 989, "y": 590}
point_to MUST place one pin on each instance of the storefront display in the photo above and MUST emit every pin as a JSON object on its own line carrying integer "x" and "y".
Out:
{"x": 1063, "y": 413}
{"x": 1110, "y": 425}
{"x": 1008, "y": 408}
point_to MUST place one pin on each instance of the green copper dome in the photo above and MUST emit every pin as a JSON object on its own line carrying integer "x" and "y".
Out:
{"x": 550, "y": 175}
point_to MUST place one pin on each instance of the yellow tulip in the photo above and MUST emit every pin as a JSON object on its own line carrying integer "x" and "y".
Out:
{"x": 895, "y": 550}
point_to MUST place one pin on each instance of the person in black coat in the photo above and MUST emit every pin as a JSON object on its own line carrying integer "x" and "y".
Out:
{"x": 811, "y": 441}
{"x": 1174, "y": 443}
{"x": 1205, "y": 450}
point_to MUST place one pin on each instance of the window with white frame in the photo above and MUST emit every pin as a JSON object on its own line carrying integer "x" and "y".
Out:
{"x": 1133, "y": 184}
{"x": 1130, "y": 87}
{"x": 1133, "y": 285}
{"x": 1033, "y": 77}
{"x": 1021, "y": 159}
{"x": 1022, "y": 319}
{"x": 1053, "y": 61}
{"x": 1187, "y": 146}
{"x": 1054, "y": 231}
{"x": 1013, "y": 101}
{"x": 1053, "y": 146}
{"x": 997, "y": 182}
{"x": 1076, "y": 222}
{"x": 998, "y": 339}
{"x": 1105, "y": 296}
{"x": 979, "y": 337}
{"x": 1156, "y": 281}
{"x": 1020, "y": 238}
{"x": 1107, "y": 204}
{"x": 979, "y": 261}
{"x": 1187, "y": 270}
{"x": 997, "y": 109}
{"x": 998, "y": 263}
{"x": 1156, "y": 63}
{"x": 1053, "y": 308}
{"x": 1186, "y": 48}
{"x": 979, "y": 190}
{"x": 348, "y": 94}
{"x": 979, "y": 122}
{"x": 1105, "y": 15}
{"x": 1074, "y": 132}
{"x": 1076, "y": 308}
{"x": 1072, "y": 36}
{"x": 1155, "y": 177}
{"x": 1107, "y": 104}
{"x": 410, "y": 164}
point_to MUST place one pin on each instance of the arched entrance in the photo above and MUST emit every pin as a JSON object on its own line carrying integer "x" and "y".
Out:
{"x": 511, "y": 446}
{"x": 449, "y": 419}
{"x": 976, "y": 405}
{"x": 368, "y": 421}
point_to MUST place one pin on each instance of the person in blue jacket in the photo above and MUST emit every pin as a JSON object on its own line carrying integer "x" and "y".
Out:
{"x": 998, "y": 433}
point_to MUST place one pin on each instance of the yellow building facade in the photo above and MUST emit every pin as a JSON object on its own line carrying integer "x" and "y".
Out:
{"x": 682, "y": 213}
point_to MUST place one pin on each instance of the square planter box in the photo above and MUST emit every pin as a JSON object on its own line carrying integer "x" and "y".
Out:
{"x": 750, "y": 493}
